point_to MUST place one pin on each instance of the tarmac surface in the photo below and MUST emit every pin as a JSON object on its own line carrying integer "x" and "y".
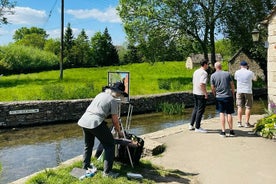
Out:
{"x": 212, "y": 159}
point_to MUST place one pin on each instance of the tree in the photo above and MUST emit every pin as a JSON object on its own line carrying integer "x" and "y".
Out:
{"x": 103, "y": 51}
{"x": 68, "y": 45}
{"x": 6, "y": 7}
{"x": 196, "y": 20}
{"x": 33, "y": 36}
{"x": 52, "y": 45}
{"x": 81, "y": 51}
{"x": 241, "y": 18}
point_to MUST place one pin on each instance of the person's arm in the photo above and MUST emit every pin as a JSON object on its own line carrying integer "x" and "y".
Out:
{"x": 213, "y": 90}
{"x": 203, "y": 88}
{"x": 232, "y": 88}
{"x": 116, "y": 124}
{"x": 254, "y": 78}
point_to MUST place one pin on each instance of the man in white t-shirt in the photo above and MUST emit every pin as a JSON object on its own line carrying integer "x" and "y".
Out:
{"x": 200, "y": 96}
{"x": 244, "y": 96}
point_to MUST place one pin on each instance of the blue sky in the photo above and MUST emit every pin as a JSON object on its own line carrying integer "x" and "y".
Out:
{"x": 90, "y": 15}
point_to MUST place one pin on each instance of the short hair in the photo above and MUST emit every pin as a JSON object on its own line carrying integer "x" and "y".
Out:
{"x": 203, "y": 62}
{"x": 218, "y": 65}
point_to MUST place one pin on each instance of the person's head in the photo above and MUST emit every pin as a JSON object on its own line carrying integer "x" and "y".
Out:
{"x": 218, "y": 66}
{"x": 204, "y": 64}
{"x": 244, "y": 64}
{"x": 118, "y": 89}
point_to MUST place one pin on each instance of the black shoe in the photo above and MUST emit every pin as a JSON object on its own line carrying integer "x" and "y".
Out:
{"x": 222, "y": 134}
{"x": 231, "y": 133}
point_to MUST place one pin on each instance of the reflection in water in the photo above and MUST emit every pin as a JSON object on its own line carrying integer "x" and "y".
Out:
{"x": 24, "y": 151}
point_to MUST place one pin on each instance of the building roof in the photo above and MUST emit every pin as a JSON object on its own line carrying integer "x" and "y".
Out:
{"x": 267, "y": 18}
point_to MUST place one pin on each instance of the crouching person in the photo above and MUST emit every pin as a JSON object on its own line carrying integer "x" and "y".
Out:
{"x": 93, "y": 125}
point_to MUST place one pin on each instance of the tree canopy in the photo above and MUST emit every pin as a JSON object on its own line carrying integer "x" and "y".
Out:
{"x": 197, "y": 20}
{"x": 6, "y": 7}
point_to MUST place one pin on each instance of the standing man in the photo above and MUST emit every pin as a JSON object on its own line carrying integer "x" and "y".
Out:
{"x": 244, "y": 94}
{"x": 223, "y": 89}
{"x": 200, "y": 96}
{"x": 93, "y": 125}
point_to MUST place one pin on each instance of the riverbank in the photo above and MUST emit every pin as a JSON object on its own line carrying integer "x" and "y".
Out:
{"x": 209, "y": 158}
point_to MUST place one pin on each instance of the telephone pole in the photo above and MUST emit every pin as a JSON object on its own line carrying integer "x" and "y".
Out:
{"x": 61, "y": 41}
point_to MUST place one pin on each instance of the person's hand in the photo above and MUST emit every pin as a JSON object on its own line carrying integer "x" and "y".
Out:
{"x": 121, "y": 134}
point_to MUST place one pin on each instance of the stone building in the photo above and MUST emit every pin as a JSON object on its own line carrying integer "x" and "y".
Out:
{"x": 234, "y": 64}
{"x": 270, "y": 21}
{"x": 194, "y": 60}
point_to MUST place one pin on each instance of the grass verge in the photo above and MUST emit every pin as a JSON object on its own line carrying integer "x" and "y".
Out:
{"x": 151, "y": 174}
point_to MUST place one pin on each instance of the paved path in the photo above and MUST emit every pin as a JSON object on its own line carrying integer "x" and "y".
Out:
{"x": 243, "y": 159}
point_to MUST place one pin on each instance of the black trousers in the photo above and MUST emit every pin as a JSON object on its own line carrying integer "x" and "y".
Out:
{"x": 103, "y": 134}
{"x": 198, "y": 111}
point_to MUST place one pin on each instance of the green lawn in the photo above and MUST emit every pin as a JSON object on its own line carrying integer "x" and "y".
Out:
{"x": 80, "y": 83}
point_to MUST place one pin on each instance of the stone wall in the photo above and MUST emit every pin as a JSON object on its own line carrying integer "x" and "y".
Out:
{"x": 14, "y": 114}
{"x": 271, "y": 60}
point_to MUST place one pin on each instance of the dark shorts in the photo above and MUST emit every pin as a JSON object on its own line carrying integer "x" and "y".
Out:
{"x": 225, "y": 105}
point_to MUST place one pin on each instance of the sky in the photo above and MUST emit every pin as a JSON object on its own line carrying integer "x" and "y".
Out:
{"x": 90, "y": 15}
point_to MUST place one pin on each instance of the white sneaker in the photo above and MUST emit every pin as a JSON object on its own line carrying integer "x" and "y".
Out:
{"x": 200, "y": 130}
{"x": 191, "y": 127}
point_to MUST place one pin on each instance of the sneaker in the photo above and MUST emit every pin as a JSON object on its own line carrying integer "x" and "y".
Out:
{"x": 91, "y": 169}
{"x": 201, "y": 130}
{"x": 222, "y": 134}
{"x": 231, "y": 133}
{"x": 110, "y": 174}
{"x": 239, "y": 124}
{"x": 191, "y": 127}
{"x": 248, "y": 125}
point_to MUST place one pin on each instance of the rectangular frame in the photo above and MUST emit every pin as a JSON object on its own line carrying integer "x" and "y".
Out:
{"x": 120, "y": 76}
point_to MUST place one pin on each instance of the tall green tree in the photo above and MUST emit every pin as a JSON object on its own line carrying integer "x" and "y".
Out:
{"x": 6, "y": 8}
{"x": 81, "y": 51}
{"x": 68, "y": 45}
{"x": 240, "y": 19}
{"x": 195, "y": 19}
{"x": 33, "y": 36}
{"x": 103, "y": 51}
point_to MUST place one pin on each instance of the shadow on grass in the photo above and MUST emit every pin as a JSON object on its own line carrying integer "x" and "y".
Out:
{"x": 158, "y": 174}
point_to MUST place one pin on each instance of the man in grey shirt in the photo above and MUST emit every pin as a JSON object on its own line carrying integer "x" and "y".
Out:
{"x": 223, "y": 89}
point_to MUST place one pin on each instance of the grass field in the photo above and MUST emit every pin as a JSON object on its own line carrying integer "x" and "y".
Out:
{"x": 81, "y": 83}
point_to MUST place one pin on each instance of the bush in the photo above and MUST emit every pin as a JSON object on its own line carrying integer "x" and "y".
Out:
{"x": 21, "y": 59}
{"x": 266, "y": 127}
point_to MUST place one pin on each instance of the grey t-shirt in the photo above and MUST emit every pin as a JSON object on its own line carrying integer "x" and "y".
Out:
{"x": 221, "y": 81}
{"x": 102, "y": 106}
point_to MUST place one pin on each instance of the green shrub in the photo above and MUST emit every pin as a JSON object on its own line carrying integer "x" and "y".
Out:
{"x": 23, "y": 59}
{"x": 266, "y": 127}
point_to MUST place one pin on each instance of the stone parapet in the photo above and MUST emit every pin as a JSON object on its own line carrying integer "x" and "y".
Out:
{"x": 15, "y": 114}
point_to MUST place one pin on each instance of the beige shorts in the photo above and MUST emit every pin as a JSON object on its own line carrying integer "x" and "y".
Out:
{"x": 244, "y": 100}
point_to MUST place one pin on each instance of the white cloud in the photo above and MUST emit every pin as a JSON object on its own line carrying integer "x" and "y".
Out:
{"x": 27, "y": 16}
{"x": 109, "y": 15}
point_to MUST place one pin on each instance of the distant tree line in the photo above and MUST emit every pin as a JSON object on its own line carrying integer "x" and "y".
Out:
{"x": 156, "y": 31}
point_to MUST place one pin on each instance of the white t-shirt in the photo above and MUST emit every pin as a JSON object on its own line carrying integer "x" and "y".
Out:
{"x": 244, "y": 79}
{"x": 199, "y": 77}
